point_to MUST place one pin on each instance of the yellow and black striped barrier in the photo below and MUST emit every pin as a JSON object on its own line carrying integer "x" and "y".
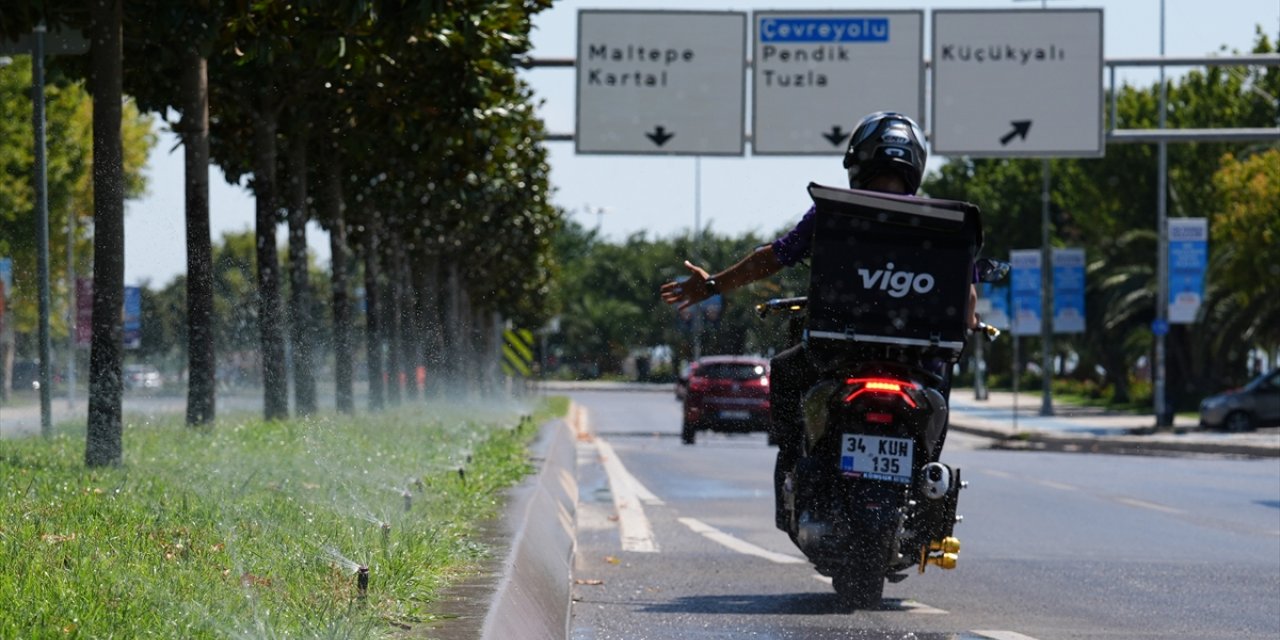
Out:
{"x": 517, "y": 352}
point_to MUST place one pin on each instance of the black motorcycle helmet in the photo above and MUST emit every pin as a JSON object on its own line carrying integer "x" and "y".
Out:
{"x": 886, "y": 141}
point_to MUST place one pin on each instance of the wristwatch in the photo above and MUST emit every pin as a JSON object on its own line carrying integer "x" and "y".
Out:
{"x": 712, "y": 287}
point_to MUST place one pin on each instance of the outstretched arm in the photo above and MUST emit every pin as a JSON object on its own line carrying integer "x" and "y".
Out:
{"x": 758, "y": 264}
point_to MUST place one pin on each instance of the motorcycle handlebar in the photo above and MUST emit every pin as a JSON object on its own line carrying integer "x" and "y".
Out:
{"x": 781, "y": 304}
{"x": 987, "y": 330}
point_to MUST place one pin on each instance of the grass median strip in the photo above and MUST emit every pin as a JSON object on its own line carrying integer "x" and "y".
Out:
{"x": 334, "y": 527}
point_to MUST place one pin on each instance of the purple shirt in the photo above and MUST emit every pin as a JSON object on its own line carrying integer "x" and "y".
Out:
{"x": 797, "y": 243}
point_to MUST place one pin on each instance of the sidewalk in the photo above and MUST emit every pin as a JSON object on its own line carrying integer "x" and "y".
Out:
{"x": 1076, "y": 428}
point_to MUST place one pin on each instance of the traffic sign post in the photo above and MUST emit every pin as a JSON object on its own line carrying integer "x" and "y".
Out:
{"x": 661, "y": 82}
{"x": 815, "y": 73}
{"x": 999, "y": 79}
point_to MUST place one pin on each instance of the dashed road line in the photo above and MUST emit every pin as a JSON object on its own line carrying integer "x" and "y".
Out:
{"x": 1003, "y": 635}
{"x": 1134, "y": 502}
{"x": 737, "y": 544}
{"x": 633, "y": 526}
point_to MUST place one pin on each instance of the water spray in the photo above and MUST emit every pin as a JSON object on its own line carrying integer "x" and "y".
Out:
{"x": 386, "y": 533}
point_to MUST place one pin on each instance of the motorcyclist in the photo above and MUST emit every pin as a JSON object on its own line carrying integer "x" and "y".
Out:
{"x": 886, "y": 153}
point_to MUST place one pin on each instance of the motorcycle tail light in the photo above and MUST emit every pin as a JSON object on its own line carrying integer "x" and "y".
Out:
{"x": 879, "y": 386}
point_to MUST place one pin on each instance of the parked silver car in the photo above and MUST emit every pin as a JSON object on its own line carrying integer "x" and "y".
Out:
{"x": 142, "y": 376}
{"x": 1254, "y": 405}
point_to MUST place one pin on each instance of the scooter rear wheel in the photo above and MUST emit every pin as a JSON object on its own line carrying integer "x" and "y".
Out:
{"x": 859, "y": 588}
{"x": 860, "y": 580}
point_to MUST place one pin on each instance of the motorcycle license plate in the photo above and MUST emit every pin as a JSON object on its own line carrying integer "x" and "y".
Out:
{"x": 876, "y": 458}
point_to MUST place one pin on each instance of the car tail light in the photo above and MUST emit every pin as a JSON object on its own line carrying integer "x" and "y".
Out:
{"x": 880, "y": 386}
{"x": 698, "y": 384}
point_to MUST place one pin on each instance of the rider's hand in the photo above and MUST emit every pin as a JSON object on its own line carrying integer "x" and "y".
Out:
{"x": 689, "y": 292}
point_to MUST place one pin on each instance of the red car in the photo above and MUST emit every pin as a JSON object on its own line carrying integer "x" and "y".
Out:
{"x": 726, "y": 393}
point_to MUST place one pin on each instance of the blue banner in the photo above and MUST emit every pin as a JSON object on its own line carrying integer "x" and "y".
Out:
{"x": 6, "y": 274}
{"x": 824, "y": 29}
{"x": 1026, "y": 291}
{"x": 1068, "y": 290}
{"x": 132, "y": 317}
{"x": 1188, "y": 258}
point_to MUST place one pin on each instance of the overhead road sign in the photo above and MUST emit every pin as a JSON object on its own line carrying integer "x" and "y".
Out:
{"x": 816, "y": 72}
{"x": 661, "y": 82}
{"x": 1017, "y": 83}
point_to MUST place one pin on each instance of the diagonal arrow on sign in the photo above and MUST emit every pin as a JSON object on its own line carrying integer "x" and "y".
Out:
{"x": 659, "y": 135}
{"x": 836, "y": 137}
{"x": 1020, "y": 129}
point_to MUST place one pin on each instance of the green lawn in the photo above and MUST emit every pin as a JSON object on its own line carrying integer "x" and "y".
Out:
{"x": 253, "y": 529}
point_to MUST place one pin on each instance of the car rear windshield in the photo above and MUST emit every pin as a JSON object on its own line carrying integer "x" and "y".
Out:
{"x": 731, "y": 370}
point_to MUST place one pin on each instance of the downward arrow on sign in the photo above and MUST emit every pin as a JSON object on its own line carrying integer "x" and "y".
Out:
{"x": 836, "y": 136}
{"x": 659, "y": 135}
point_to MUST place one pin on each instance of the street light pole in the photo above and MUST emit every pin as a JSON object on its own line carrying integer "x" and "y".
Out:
{"x": 1164, "y": 417}
{"x": 42, "y": 227}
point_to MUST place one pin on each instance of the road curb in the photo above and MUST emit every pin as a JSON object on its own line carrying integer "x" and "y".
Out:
{"x": 1130, "y": 445}
{"x": 532, "y": 599}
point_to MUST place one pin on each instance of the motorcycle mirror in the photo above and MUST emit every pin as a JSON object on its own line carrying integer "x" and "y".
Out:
{"x": 990, "y": 270}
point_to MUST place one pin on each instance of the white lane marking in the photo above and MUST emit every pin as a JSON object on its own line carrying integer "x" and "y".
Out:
{"x": 1003, "y": 635}
{"x": 634, "y": 528}
{"x": 993, "y": 472}
{"x": 737, "y": 544}
{"x": 909, "y": 606}
{"x": 1057, "y": 485}
{"x": 1134, "y": 502}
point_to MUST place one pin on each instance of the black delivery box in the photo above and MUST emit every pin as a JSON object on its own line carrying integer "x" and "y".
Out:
{"x": 889, "y": 273}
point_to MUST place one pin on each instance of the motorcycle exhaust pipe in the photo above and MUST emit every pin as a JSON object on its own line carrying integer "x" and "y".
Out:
{"x": 937, "y": 480}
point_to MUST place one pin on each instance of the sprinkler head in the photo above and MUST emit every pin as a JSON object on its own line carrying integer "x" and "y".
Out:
{"x": 462, "y": 473}
{"x": 408, "y": 500}
{"x": 362, "y": 581}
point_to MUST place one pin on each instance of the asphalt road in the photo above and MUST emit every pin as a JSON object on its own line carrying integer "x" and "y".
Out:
{"x": 678, "y": 542}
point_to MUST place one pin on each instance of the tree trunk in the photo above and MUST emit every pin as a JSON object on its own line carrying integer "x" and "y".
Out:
{"x": 201, "y": 359}
{"x": 104, "y": 438}
{"x": 391, "y": 314}
{"x": 453, "y": 331}
{"x": 373, "y": 308}
{"x": 341, "y": 257}
{"x": 426, "y": 309}
{"x": 275, "y": 388}
{"x": 301, "y": 310}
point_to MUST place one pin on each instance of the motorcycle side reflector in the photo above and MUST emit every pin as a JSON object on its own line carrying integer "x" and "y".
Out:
{"x": 880, "y": 386}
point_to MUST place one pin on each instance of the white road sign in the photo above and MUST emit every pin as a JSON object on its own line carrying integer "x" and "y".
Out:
{"x": 817, "y": 73}
{"x": 661, "y": 82}
{"x": 1017, "y": 83}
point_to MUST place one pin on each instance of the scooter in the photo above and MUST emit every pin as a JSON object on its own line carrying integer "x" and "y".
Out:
{"x": 866, "y": 497}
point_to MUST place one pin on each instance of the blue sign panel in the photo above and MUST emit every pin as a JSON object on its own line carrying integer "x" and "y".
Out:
{"x": 132, "y": 317}
{"x": 6, "y": 274}
{"x": 1068, "y": 291}
{"x": 1026, "y": 291}
{"x": 998, "y": 316}
{"x": 1188, "y": 257}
